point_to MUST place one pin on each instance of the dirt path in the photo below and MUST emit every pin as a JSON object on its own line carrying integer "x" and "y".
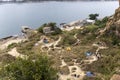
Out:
{"x": 14, "y": 53}
{"x": 78, "y": 72}
{"x": 54, "y": 44}
{"x": 96, "y": 56}
{"x": 99, "y": 48}
{"x": 78, "y": 40}
{"x": 6, "y": 44}
{"x": 91, "y": 59}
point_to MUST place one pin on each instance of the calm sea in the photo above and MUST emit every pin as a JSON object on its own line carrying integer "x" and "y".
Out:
{"x": 13, "y": 16}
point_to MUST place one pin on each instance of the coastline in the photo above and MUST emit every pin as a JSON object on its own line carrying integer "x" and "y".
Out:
{"x": 76, "y": 24}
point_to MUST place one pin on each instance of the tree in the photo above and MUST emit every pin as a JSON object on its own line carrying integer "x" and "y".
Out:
{"x": 27, "y": 69}
{"x": 93, "y": 16}
{"x": 40, "y": 29}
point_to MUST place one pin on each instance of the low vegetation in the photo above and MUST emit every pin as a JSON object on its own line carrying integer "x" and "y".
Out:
{"x": 101, "y": 23}
{"x": 38, "y": 67}
{"x": 93, "y": 16}
{"x": 27, "y": 69}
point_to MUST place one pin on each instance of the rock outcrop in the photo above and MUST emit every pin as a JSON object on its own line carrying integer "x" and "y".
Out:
{"x": 113, "y": 24}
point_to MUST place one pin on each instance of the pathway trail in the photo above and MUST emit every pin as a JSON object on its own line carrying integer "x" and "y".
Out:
{"x": 78, "y": 72}
{"x": 7, "y": 43}
{"x": 99, "y": 48}
{"x": 78, "y": 40}
{"x": 14, "y": 53}
{"x": 54, "y": 44}
{"x": 91, "y": 59}
{"x": 95, "y": 56}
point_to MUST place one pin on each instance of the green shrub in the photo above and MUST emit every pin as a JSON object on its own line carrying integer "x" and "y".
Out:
{"x": 40, "y": 69}
{"x": 101, "y": 23}
{"x": 91, "y": 28}
{"x": 56, "y": 31}
{"x": 12, "y": 45}
{"x": 68, "y": 40}
{"x": 106, "y": 65}
{"x": 40, "y": 29}
{"x": 93, "y": 16}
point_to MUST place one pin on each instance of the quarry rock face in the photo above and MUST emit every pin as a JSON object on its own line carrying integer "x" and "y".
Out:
{"x": 117, "y": 15}
{"x": 115, "y": 19}
{"x": 113, "y": 24}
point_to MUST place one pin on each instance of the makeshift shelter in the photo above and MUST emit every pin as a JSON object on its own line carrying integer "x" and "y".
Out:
{"x": 89, "y": 74}
{"x": 36, "y": 44}
{"x": 45, "y": 40}
{"x": 68, "y": 49}
{"x": 88, "y": 53}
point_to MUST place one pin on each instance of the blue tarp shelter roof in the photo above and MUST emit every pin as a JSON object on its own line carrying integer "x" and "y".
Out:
{"x": 88, "y": 53}
{"x": 89, "y": 74}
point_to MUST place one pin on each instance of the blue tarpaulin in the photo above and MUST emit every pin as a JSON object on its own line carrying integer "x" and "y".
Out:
{"x": 89, "y": 74}
{"x": 88, "y": 53}
{"x": 45, "y": 41}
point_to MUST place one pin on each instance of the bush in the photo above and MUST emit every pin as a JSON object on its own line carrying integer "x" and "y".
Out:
{"x": 40, "y": 29}
{"x": 68, "y": 40}
{"x": 106, "y": 65}
{"x": 12, "y": 45}
{"x": 40, "y": 69}
{"x": 101, "y": 23}
{"x": 93, "y": 16}
{"x": 91, "y": 28}
{"x": 6, "y": 58}
{"x": 27, "y": 46}
{"x": 56, "y": 31}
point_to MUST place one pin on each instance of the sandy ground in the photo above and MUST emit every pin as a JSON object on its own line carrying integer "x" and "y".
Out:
{"x": 77, "y": 72}
{"x": 63, "y": 63}
{"x": 51, "y": 44}
{"x": 14, "y": 53}
{"x": 7, "y": 43}
{"x": 71, "y": 28}
{"x": 91, "y": 59}
{"x": 95, "y": 57}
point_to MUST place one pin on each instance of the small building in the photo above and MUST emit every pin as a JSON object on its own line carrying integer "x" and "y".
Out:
{"x": 87, "y": 21}
{"x": 47, "y": 30}
{"x": 90, "y": 21}
{"x": 45, "y": 40}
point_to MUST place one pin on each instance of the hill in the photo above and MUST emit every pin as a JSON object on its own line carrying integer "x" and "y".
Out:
{"x": 91, "y": 52}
